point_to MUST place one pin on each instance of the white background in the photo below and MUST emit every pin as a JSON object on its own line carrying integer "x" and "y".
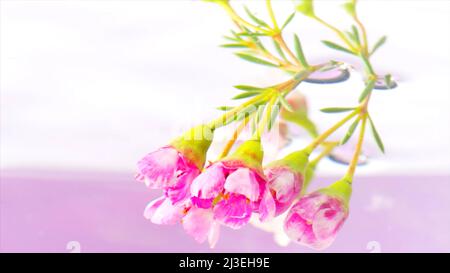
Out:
{"x": 97, "y": 84}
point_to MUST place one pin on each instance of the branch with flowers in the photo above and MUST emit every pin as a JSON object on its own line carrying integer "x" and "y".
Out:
{"x": 228, "y": 191}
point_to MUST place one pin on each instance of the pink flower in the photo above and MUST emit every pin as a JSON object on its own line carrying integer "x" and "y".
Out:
{"x": 285, "y": 185}
{"x": 174, "y": 167}
{"x": 234, "y": 187}
{"x": 315, "y": 219}
{"x": 200, "y": 224}
{"x": 167, "y": 169}
{"x": 161, "y": 211}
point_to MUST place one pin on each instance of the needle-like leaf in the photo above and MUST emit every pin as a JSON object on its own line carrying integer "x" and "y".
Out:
{"x": 378, "y": 44}
{"x": 254, "y": 59}
{"x": 376, "y": 136}
{"x": 288, "y": 20}
{"x": 336, "y": 109}
{"x": 246, "y": 94}
{"x": 299, "y": 51}
{"x": 285, "y": 104}
{"x": 337, "y": 47}
{"x": 224, "y": 108}
{"x": 279, "y": 50}
{"x": 254, "y": 18}
{"x": 350, "y": 131}
{"x": 367, "y": 90}
{"x": 249, "y": 88}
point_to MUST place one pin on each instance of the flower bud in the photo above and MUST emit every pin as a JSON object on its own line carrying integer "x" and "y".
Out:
{"x": 194, "y": 144}
{"x": 173, "y": 168}
{"x": 285, "y": 179}
{"x": 317, "y": 217}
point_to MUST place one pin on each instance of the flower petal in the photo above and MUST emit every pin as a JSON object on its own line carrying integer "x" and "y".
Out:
{"x": 161, "y": 211}
{"x": 157, "y": 169}
{"x": 180, "y": 191}
{"x": 327, "y": 223}
{"x": 315, "y": 220}
{"x": 285, "y": 184}
{"x": 233, "y": 212}
{"x": 202, "y": 203}
{"x": 267, "y": 206}
{"x": 243, "y": 181}
{"x": 308, "y": 205}
{"x": 213, "y": 235}
{"x": 198, "y": 223}
{"x": 209, "y": 183}
{"x": 299, "y": 229}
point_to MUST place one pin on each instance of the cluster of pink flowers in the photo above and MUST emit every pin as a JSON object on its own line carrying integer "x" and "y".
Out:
{"x": 229, "y": 191}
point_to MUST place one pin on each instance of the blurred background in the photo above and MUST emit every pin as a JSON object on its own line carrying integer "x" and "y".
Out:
{"x": 89, "y": 87}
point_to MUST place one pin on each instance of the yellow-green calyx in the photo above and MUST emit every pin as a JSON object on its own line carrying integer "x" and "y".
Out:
{"x": 250, "y": 153}
{"x": 296, "y": 161}
{"x": 194, "y": 144}
{"x": 341, "y": 189}
{"x": 309, "y": 175}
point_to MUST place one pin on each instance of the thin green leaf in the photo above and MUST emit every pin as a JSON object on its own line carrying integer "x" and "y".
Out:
{"x": 254, "y": 18}
{"x": 224, "y": 108}
{"x": 286, "y": 104}
{"x": 337, "y": 47}
{"x": 236, "y": 36}
{"x": 378, "y": 44}
{"x": 246, "y": 94}
{"x": 259, "y": 113}
{"x": 354, "y": 35}
{"x": 258, "y": 43}
{"x": 288, "y": 20}
{"x": 367, "y": 90}
{"x": 249, "y": 88}
{"x": 299, "y": 51}
{"x": 233, "y": 46}
{"x": 350, "y": 131}
{"x": 279, "y": 50}
{"x": 251, "y": 34}
{"x": 376, "y": 136}
{"x": 242, "y": 115}
{"x": 231, "y": 39}
{"x": 336, "y": 109}
{"x": 273, "y": 114}
{"x": 253, "y": 59}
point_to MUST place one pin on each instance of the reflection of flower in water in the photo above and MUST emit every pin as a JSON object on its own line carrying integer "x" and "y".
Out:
{"x": 380, "y": 202}
{"x": 73, "y": 246}
{"x": 275, "y": 226}
{"x": 374, "y": 247}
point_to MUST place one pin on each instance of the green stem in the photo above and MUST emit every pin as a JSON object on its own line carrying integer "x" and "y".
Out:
{"x": 279, "y": 39}
{"x": 338, "y": 32}
{"x": 272, "y": 15}
{"x": 321, "y": 138}
{"x": 368, "y": 65}
{"x": 239, "y": 19}
{"x": 352, "y": 167}
{"x": 263, "y": 123}
{"x": 328, "y": 148}
{"x": 221, "y": 121}
{"x": 364, "y": 35}
{"x": 233, "y": 139}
